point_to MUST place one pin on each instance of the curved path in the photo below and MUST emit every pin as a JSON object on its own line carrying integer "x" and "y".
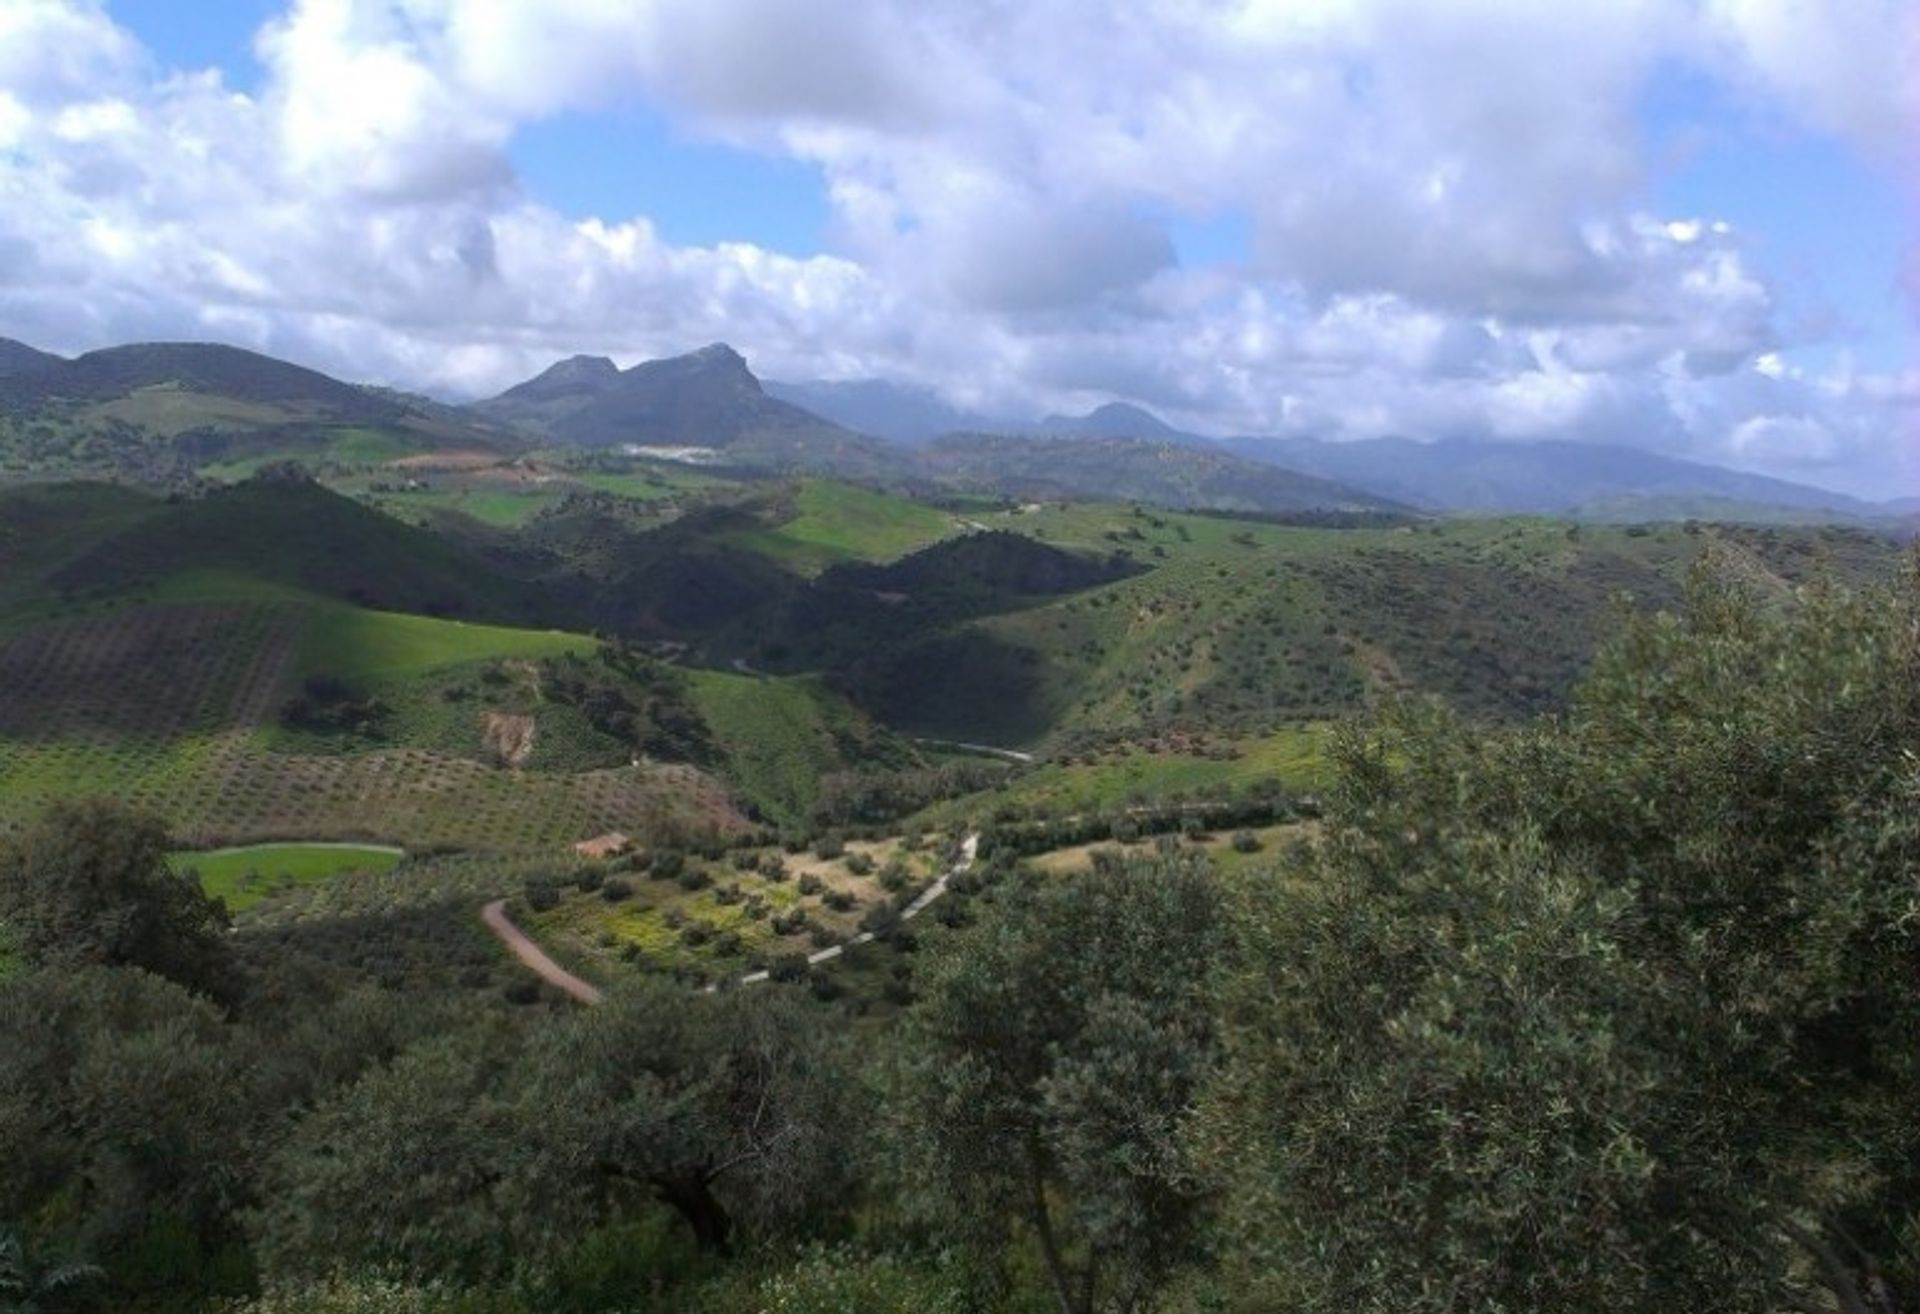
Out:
{"x": 523, "y": 948}
{"x": 531, "y": 954}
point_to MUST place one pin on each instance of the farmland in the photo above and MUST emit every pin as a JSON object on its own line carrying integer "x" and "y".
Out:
{"x": 171, "y": 707}
{"x": 834, "y": 522}
{"x": 243, "y": 876}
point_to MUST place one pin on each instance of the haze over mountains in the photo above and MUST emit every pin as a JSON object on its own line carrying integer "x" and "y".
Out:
{"x": 1452, "y": 474}
{"x": 211, "y": 399}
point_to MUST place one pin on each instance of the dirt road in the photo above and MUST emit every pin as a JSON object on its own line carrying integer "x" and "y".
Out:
{"x": 515, "y": 939}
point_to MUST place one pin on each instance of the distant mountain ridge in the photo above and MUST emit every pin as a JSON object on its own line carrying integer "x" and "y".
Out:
{"x": 892, "y": 411}
{"x": 200, "y": 367}
{"x": 1449, "y": 474}
{"x": 1461, "y": 474}
{"x": 165, "y": 409}
{"x": 19, "y": 358}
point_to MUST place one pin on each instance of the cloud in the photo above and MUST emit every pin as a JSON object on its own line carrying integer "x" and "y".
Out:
{"x": 1447, "y": 206}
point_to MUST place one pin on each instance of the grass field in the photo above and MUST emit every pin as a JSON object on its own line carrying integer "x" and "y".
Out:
{"x": 373, "y": 646}
{"x": 243, "y": 876}
{"x": 834, "y": 522}
{"x": 349, "y": 445}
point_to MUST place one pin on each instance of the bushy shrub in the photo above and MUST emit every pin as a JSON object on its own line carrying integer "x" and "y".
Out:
{"x": 615, "y": 890}
{"x": 859, "y": 864}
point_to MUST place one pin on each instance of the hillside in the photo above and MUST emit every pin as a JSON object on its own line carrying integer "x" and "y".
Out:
{"x": 274, "y": 661}
{"x": 19, "y": 358}
{"x": 1131, "y": 469}
{"x": 171, "y": 413}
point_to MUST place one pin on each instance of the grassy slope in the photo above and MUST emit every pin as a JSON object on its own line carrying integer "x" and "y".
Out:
{"x": 374, "y": 647}
{"x": 780, "y": 736}
{"x": 153, "y": 676}
{"x": 1242, "y": 626}
{"x": 834, "y": 522}
{"x": 1293, "y": 755}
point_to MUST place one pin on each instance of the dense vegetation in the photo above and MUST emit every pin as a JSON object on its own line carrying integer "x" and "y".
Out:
{"x": 1613, "y": 1009}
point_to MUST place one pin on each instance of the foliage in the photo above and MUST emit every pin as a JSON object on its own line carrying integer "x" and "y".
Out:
{"x": 720, "y": 1107}
{"x": 1607, "y": 1012}
{"x": 29, "y": 1285}
{"x": 90, "y": 883}
{"x": 1046, "y": 1068}
{"x": 420, "y": 1165}
{"x": 117, "y": 1091}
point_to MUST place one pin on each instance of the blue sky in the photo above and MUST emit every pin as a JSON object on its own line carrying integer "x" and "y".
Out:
{"x": 1679, "y": 224}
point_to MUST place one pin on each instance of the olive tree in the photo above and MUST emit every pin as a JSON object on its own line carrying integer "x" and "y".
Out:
{"x": 1044, "y": 1073}
{"x": 89, "y": 883}
{"x": 1616, "y": 1010}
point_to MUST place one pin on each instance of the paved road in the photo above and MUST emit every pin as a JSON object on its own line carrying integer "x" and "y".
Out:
{"x": 517, "y": 940}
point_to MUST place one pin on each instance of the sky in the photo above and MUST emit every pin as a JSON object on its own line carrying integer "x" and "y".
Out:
{"x": 1683, "y": 225}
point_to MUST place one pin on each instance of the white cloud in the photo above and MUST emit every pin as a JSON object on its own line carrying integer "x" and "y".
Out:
{"x": 1446, "y": 204}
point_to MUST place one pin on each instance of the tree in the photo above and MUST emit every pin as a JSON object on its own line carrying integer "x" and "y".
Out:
{"x": 29, "y": 1285}
{"x": 720, "y": 1106}
{"x": 1044, "y": 1073}
{"x": 427, "y": 1165}
{"x": 1611, "y": 1011}
{"x": 89, "y": 883}
{"x": 118, "y": 1127}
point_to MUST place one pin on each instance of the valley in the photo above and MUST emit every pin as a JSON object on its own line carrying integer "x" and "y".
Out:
{"x": 490, "y": 720}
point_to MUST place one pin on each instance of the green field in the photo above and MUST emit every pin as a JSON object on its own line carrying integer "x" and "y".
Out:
{"x": 339, "y": 446}
{"x": 245, "y": 875}
{"x": 834, "y": 522}
{"x": 374, "y": 646}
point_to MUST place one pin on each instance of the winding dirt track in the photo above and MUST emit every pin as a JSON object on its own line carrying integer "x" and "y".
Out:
{"x": 536, "y": 959}
{"x": 523, "y": 948}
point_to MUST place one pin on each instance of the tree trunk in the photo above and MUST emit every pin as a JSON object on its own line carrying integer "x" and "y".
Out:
{"x": 691, "y": 1196}
{"x": 1042, "y": 1219}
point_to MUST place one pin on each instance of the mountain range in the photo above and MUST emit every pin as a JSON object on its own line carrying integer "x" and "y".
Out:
{"x": 168, "y": 410}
